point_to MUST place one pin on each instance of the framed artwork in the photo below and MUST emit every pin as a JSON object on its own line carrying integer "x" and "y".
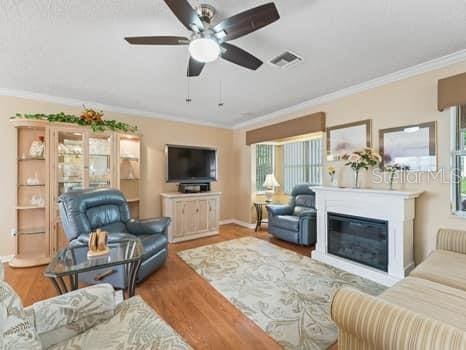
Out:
{"x": 414, "y": 147}
{"x": 347, "y": 138}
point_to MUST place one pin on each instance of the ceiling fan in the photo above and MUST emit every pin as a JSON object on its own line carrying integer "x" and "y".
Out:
{"x": 208, "y": 42}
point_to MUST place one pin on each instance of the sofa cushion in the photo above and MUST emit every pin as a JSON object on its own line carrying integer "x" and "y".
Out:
{"x": 134, "y": 326}
{"x": 72, "y": 313}
{"x": 431, "y": 299}
{"x": 16, "y": 328}
{"x": 444, "y": 267}
{"x": 287, "y": 222}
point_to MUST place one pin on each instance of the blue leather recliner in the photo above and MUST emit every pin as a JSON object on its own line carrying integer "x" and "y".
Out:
{"x": 84, "y": 211}
{"x": 296, "y": 221}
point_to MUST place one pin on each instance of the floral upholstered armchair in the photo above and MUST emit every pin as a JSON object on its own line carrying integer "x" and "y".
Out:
{"x": 88, "y": 318}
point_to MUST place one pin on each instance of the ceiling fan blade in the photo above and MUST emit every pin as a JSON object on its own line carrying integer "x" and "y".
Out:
{"x": 157, "y": 40}
{"x": 194, "y": 67}
{"x": 240, "y": 57}
{"x": 185, "y": 13}
{"x": 248, "y": 21}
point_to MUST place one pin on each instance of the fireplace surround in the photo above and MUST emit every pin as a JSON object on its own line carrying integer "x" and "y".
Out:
{"x": 394, "y": 209}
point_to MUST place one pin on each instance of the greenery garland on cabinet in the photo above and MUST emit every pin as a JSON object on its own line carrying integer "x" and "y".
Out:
{"x": 89, "y": 118}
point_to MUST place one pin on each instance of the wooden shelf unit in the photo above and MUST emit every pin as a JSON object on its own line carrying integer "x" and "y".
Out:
{"x": 74, "y": 157}
{"x": 32, "y": 244}
{"x": 129, "y": 171}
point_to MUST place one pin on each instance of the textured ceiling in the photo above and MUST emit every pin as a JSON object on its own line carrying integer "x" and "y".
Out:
{"x": 75, "y": 49}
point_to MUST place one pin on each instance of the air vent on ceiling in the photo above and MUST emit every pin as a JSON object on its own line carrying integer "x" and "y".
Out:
{"x": 286, "y": 60}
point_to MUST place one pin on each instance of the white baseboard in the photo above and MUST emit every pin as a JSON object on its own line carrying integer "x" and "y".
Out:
{"x": 6, "y": 258}
{"x": 238, "y": 222}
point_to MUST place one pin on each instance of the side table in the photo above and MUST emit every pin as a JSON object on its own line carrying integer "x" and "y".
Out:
{"x": 260, "y": 205}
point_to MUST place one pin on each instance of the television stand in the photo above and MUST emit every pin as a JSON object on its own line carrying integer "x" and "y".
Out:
{"x": 194, "y": 215}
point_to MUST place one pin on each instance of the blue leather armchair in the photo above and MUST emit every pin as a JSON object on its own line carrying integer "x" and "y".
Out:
{"x": 84, "y": 211}
{"x": 296, "y": 221}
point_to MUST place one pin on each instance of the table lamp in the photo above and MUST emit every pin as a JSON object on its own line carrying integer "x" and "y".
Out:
{"x": 270, "y": 183}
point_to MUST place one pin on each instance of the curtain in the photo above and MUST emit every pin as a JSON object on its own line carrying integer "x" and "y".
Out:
{"x": 302, "y": 163}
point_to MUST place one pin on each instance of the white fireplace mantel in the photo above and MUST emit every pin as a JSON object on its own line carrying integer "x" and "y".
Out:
{"x": 396, "y": 207}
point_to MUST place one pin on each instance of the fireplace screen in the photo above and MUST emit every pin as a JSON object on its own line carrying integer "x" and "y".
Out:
{"x": 359, "y": 239}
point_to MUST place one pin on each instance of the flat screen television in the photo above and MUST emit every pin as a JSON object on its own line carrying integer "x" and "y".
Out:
{"x": 188, "y": 164}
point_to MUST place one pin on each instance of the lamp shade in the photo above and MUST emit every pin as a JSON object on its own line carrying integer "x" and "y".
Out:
{"x": 270, "y": 181}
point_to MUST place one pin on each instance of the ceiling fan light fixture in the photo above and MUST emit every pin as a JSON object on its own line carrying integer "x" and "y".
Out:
{"x": 204, "y": 50}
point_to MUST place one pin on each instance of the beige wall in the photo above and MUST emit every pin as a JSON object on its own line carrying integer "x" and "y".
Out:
{"x": 405, "y": 102}
{"x": 156, "y": 133}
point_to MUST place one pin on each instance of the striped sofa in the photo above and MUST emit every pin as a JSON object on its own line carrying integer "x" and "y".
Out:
{"x": 425, "y": 311}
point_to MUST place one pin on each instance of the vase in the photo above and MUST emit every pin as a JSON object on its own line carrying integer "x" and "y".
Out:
{"x": 356, "y": 178}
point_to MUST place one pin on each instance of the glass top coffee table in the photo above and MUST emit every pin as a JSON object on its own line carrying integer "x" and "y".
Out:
{"x": 71, "y": 261}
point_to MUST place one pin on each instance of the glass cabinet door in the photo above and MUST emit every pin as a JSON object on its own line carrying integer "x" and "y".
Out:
{"x": 100, "y": 161}
{"x": 129, "y": 149}
{"x": 70, "y": 161}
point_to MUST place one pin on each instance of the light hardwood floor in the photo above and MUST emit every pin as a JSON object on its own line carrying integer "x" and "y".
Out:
{"x": 181, "y": 297}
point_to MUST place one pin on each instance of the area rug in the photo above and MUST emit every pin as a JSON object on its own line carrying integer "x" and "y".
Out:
{"x": 286, "y": 294}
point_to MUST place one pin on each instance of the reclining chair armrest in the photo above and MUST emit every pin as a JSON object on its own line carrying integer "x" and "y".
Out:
{"x": 277, "y": 209}
{"x": 65, "y": 316}
{"x": 452, "y": 240}
{"x": 148, "y": 226}
{"x": 309, "y": 213}
{"x": 307, "y": 231}
{"x": 366, "y": 322}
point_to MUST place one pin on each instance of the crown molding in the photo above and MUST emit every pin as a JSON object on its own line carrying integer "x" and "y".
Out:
{"x": 105, "y": 107}
{"x": 412, "y": 71}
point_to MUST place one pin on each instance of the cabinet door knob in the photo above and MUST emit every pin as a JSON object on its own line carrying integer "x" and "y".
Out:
{"x": 197, "y": 210}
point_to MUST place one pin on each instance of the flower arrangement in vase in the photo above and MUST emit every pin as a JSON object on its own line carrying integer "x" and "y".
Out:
{"x": 392, "y": 170}
{"x": 361, "y": 160}
{"x": 331, "y": 170}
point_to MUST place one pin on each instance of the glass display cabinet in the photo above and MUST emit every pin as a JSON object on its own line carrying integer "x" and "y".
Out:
{"x": 82, "y": 159}
{"x": 57, "y": 158}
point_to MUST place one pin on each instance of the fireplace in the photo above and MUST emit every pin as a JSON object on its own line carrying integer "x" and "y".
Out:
{"x": 388, "y": 234}
{"x": 358, "y": 239}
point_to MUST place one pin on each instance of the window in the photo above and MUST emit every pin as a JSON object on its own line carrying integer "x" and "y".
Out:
{"x": 459, "y": 160}
{"x": 264, "y": 164}
{"x": 302, "y": 162}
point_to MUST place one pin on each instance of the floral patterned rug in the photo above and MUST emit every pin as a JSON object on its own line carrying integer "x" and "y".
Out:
{"x": 286, "y": 294}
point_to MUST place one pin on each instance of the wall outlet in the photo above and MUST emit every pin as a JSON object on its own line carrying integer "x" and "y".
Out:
{"x": 13, "y": 232}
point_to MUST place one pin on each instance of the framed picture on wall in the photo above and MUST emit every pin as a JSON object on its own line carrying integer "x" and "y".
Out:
{"x": 347, "y": 138}
{"x": 414, "y": 147}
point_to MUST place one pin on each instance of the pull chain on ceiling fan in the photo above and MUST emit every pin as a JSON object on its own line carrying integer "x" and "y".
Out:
{"x": 208, "y": 42}
{"x": 220, "y": 95}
